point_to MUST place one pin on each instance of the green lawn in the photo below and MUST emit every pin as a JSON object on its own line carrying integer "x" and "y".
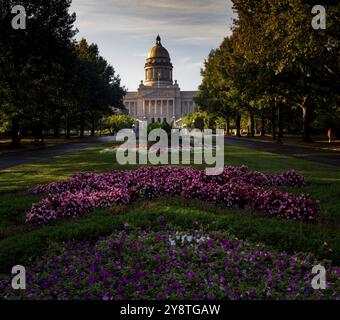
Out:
{"x": 20, "y": 241}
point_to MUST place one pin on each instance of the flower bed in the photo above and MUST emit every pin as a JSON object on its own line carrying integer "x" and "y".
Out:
{"x": 235, "y": 187}
{"x": 171, "y": 264}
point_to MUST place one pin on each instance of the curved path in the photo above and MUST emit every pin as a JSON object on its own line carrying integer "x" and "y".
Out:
{"x": 23, "y": 157}
{"x": 302, "y": 152}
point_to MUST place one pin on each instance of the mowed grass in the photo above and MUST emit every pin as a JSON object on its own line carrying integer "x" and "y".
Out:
{"x": 323, "y": 184}
{"x": 323, "y": 180}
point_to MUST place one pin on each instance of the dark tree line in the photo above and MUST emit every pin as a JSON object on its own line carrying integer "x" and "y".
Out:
{"x": 49, "y": 81}
{"x": 276, "y": 67}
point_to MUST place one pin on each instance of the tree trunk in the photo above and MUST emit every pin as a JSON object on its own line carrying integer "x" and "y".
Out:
{"x": 307, "y": 119}
{"x": 100, "y": 127}
{"x": 273, "y": 121}
{"x": 56, "y": 131}
{"x": 93, "y": 127}
{"x": 41, "y": 133}
{"x": 280, "y": 121}
{"x": 252, "y": 125}
{"x": 263, "y": 124}
{"x": 56, "y": 127}
{"x": 228, "y": 126}
{"x": 15, "y": 132}
{"x": 68, "y": 128}
{"x": 82, "y": 125}
{"x": 238, "y": 126}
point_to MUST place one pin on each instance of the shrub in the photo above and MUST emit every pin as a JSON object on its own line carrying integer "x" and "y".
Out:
{"x": 160, "y": 125}
{"x": 118, "y": 122}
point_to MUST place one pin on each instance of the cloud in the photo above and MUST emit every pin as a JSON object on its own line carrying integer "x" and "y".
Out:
{"x": 140, "y": 54}
{"x": 191, "y": 21}
{"x": 125, "y": 30}
{"x": 185, "y": 59}
{"x": 193, "y": 65}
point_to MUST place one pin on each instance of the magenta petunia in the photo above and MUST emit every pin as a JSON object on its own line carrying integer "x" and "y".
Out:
{"x": 236, "y": 187}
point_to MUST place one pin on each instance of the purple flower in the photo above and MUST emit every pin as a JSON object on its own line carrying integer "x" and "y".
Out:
{"x": 104, "y": 273}
{"x": 235, "y": 187}
{"x": 226, "y": 269}
{"x": 91, "y": 280}
{"x": 162, "y": 220}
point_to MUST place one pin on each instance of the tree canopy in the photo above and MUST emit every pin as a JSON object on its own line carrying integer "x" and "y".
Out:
{"x": 47, "y": 79}
{"x": 274, "y": 63}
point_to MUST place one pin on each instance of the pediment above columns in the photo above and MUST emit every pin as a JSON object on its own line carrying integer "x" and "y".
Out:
{"x": 159, "y": 93}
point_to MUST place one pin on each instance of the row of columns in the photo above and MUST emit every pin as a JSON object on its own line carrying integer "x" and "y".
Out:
{"x": 131, "y": 106}
{"x": 157, "y": 108}
{"x": 188, "y": 107}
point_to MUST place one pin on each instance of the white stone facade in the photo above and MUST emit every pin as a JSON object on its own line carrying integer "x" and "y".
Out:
{"x": 158, "y": 98}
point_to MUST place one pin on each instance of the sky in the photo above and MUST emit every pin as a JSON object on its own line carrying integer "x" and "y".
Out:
{"x": 125, "y": 30}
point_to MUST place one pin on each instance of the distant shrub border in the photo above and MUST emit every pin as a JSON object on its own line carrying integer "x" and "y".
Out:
{"x": 237, "y": 187}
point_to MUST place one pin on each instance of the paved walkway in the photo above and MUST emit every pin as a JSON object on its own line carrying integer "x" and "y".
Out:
{"x": 22, "y": 157}
{"x": 312, "y": 154}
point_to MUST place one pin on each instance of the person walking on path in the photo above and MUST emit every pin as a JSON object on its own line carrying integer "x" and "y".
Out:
{"x": 329, "y": 135}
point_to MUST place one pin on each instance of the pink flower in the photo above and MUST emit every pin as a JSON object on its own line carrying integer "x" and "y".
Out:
{"x": 235, "y": 187}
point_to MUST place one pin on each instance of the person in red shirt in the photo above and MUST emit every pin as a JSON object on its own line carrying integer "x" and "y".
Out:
{"x": 329, "y": 135}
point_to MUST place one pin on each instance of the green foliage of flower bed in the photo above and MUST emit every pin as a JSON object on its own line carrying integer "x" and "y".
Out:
{"x": 171, "y": 263}
{"x": 282, "y": 235}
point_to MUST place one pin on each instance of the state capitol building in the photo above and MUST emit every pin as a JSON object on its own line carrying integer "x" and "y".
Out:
{"x": 159, "y": 98}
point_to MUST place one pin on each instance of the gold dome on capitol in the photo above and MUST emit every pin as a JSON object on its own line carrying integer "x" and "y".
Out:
{"x": 158, "y": 51}
{"x": 158, "y": 66}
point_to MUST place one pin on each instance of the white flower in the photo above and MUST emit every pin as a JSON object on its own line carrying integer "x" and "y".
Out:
{"x": 172, "y": 242}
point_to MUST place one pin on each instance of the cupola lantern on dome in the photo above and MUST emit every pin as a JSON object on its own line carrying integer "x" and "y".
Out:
{"x": 158, "y": 67}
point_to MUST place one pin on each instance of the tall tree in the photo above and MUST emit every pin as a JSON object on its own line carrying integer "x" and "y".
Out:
{"x": 98, "y": 87}
{"x": 232, "y": 85}
{"x": 218, "y": 93}
{"x": 279, "y": 34}
{"x": 31, "y": 58}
